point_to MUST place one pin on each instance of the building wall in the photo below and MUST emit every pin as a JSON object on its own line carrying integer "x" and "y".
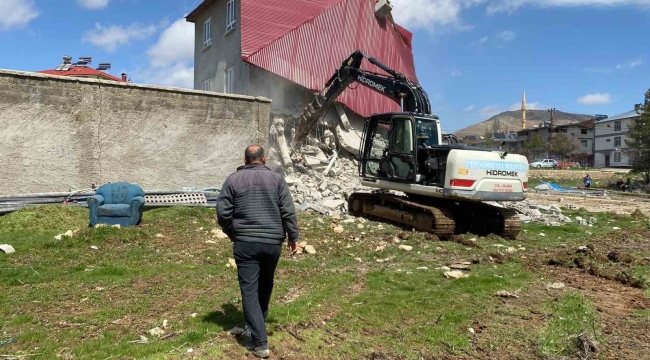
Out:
{"x": 210, "y": 63}
{"x": 605, "y": 144}
{"x": 61, "y": 133}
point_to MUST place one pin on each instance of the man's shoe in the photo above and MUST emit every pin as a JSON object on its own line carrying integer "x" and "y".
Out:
{"x": 259, "y": 351}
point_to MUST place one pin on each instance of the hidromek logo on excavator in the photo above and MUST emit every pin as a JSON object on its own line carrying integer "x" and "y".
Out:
{"x": 369, "y": 82}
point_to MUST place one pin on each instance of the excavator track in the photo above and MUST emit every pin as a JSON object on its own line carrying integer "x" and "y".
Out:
{"x": 403, "y": 211}
{"x": 440, "y": 217}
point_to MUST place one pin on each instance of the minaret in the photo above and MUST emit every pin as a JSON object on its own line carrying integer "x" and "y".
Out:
{"x": 523, "y": 111}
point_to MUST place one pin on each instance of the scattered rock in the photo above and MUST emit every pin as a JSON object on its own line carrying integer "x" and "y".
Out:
{"x": 471, "y": 330}
{"x": 98, "y": 226}
{"x": 555, "y": 285}
{"x": 396, "y": 240}
{"x": 194, "y": 315}
{"x": 94, "y": 247}
{"x": 583, "y": 249}
{"x": 455, "y": 274}
{"x": 511, "y": 250}
{"x": 158, "y": 332}
{"x": 444, "y": 268}
{"x": 380, "y": 248}
{"x": 219, "y": 234}
{"x": 338, "y": 229}
{"x": 165, "y": 323}
{"x": 117, "y": 226}
{"x": 58, "y": 237}
{"x": 309, "y": 249}
{"x": 406, "y": 247}
{"x": 7, "y": 249}
{"x": 542, "y": 234}
{"x": 210, "y": 242}
{"x": 507, "y": 294}
{"x": 160, "y": 235}
{"x": 190, "y": 350}
{"x": 360, "y": 226}
{"x": 231, "y": 263}
{"x": 616, "y": 228}
{"x": 423, "y": 268}
{"x": 348, "y": 221}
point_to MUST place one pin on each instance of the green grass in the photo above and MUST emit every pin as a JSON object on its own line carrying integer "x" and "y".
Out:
{"x": 64, "y": 298}
{"x": 573, "y": 324}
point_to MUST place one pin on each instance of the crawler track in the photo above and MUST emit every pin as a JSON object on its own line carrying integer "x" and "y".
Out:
{"x": 440, "y": 217}
{"x": 404, "y": 211}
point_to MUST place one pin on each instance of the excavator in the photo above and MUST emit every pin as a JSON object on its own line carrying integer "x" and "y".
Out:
{"x": 422, "y": 179}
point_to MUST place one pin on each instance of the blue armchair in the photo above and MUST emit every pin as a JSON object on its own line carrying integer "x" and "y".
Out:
{"x": 117, "y": 203}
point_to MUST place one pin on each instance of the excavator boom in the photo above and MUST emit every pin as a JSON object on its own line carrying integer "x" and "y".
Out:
{"x": 394, "y": 85}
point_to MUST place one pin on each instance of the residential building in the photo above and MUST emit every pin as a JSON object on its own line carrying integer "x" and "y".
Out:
{"x": 581, "y": 133}
{"x": 286, "y": 51}
{"x": 611, "y": 148}
{"x": 82, "y": 69}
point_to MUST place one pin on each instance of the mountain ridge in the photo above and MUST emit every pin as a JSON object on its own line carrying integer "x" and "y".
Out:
{"x": 511, "y": 120}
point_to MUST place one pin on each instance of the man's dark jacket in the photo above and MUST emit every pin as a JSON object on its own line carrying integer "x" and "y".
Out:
{"x": 255, "y": 205}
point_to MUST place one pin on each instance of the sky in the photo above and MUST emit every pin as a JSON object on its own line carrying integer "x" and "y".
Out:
{"x": 473, "y": 57}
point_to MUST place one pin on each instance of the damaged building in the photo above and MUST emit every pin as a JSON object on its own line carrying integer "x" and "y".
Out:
{"x": 286, "y": 51}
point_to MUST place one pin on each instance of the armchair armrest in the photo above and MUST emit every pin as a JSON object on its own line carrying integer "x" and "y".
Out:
{"x": 137, "y": 208}
{"x": 94, "y": 202}
{"x": 139, "y": 200}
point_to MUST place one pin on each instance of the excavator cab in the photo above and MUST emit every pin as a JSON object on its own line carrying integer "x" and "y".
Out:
{"x": 391, "y": 144}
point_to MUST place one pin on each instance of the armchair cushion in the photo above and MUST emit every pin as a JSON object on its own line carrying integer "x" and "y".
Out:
{"x": 114, "y": 210}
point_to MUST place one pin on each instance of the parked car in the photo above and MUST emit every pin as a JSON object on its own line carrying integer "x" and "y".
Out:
{"x": 546, "y": 163}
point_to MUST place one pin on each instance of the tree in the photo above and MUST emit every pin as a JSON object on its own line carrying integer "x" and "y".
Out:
{"x": 488, "y": 140}
{"x": 535, "y": 147}
{"x": 564, "y": 145}
{"x": 638, "y": 140}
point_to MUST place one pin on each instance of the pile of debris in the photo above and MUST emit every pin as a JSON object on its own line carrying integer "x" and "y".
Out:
{"x": 529, "y": 211}
{"x": 320, "y": 176}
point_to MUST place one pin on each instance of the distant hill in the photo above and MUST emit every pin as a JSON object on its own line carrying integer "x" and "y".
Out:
{"x": 511, "y": 120}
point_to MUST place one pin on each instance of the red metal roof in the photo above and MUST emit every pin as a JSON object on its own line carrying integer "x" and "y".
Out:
{"x": 305, "y": 41}
{"x": 81, "y": 71}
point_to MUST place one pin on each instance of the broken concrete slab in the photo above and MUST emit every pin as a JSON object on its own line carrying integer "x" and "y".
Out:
{"x": 333, "y": 204}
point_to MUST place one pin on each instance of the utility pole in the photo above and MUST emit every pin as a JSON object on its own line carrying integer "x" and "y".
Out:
{"x": 550, "y": 132}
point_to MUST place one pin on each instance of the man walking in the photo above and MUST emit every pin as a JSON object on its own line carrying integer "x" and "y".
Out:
{"x": 255, "y": 210}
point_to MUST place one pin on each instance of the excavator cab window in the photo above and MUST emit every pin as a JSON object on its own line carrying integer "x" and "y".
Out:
{"x": 378, "y": 138}
{"x": 427, "y": 132}
{"x": 400, "y": 164}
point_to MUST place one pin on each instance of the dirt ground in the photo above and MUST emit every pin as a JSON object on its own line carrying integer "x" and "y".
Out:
{"x": 620, "y": 205}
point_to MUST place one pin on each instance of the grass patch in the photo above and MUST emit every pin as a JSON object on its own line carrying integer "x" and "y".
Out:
{"x": 360, "y": 296}
{"x": 573, "y": 329}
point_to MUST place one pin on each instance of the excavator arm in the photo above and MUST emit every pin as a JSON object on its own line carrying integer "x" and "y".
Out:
{"x": 394, "y": 85}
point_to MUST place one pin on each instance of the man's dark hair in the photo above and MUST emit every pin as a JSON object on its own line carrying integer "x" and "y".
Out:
{"x": 253, "y": 153}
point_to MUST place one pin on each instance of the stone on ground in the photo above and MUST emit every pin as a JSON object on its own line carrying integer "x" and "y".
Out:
{"x": 309, "y": 249}
{"x": 455, "y": 274}
{"x": 7, "y": 249}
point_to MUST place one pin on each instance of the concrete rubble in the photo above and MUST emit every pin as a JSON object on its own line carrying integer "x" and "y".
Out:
{"x": 322, "y": 173}
{"x": 550, "y": 215}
